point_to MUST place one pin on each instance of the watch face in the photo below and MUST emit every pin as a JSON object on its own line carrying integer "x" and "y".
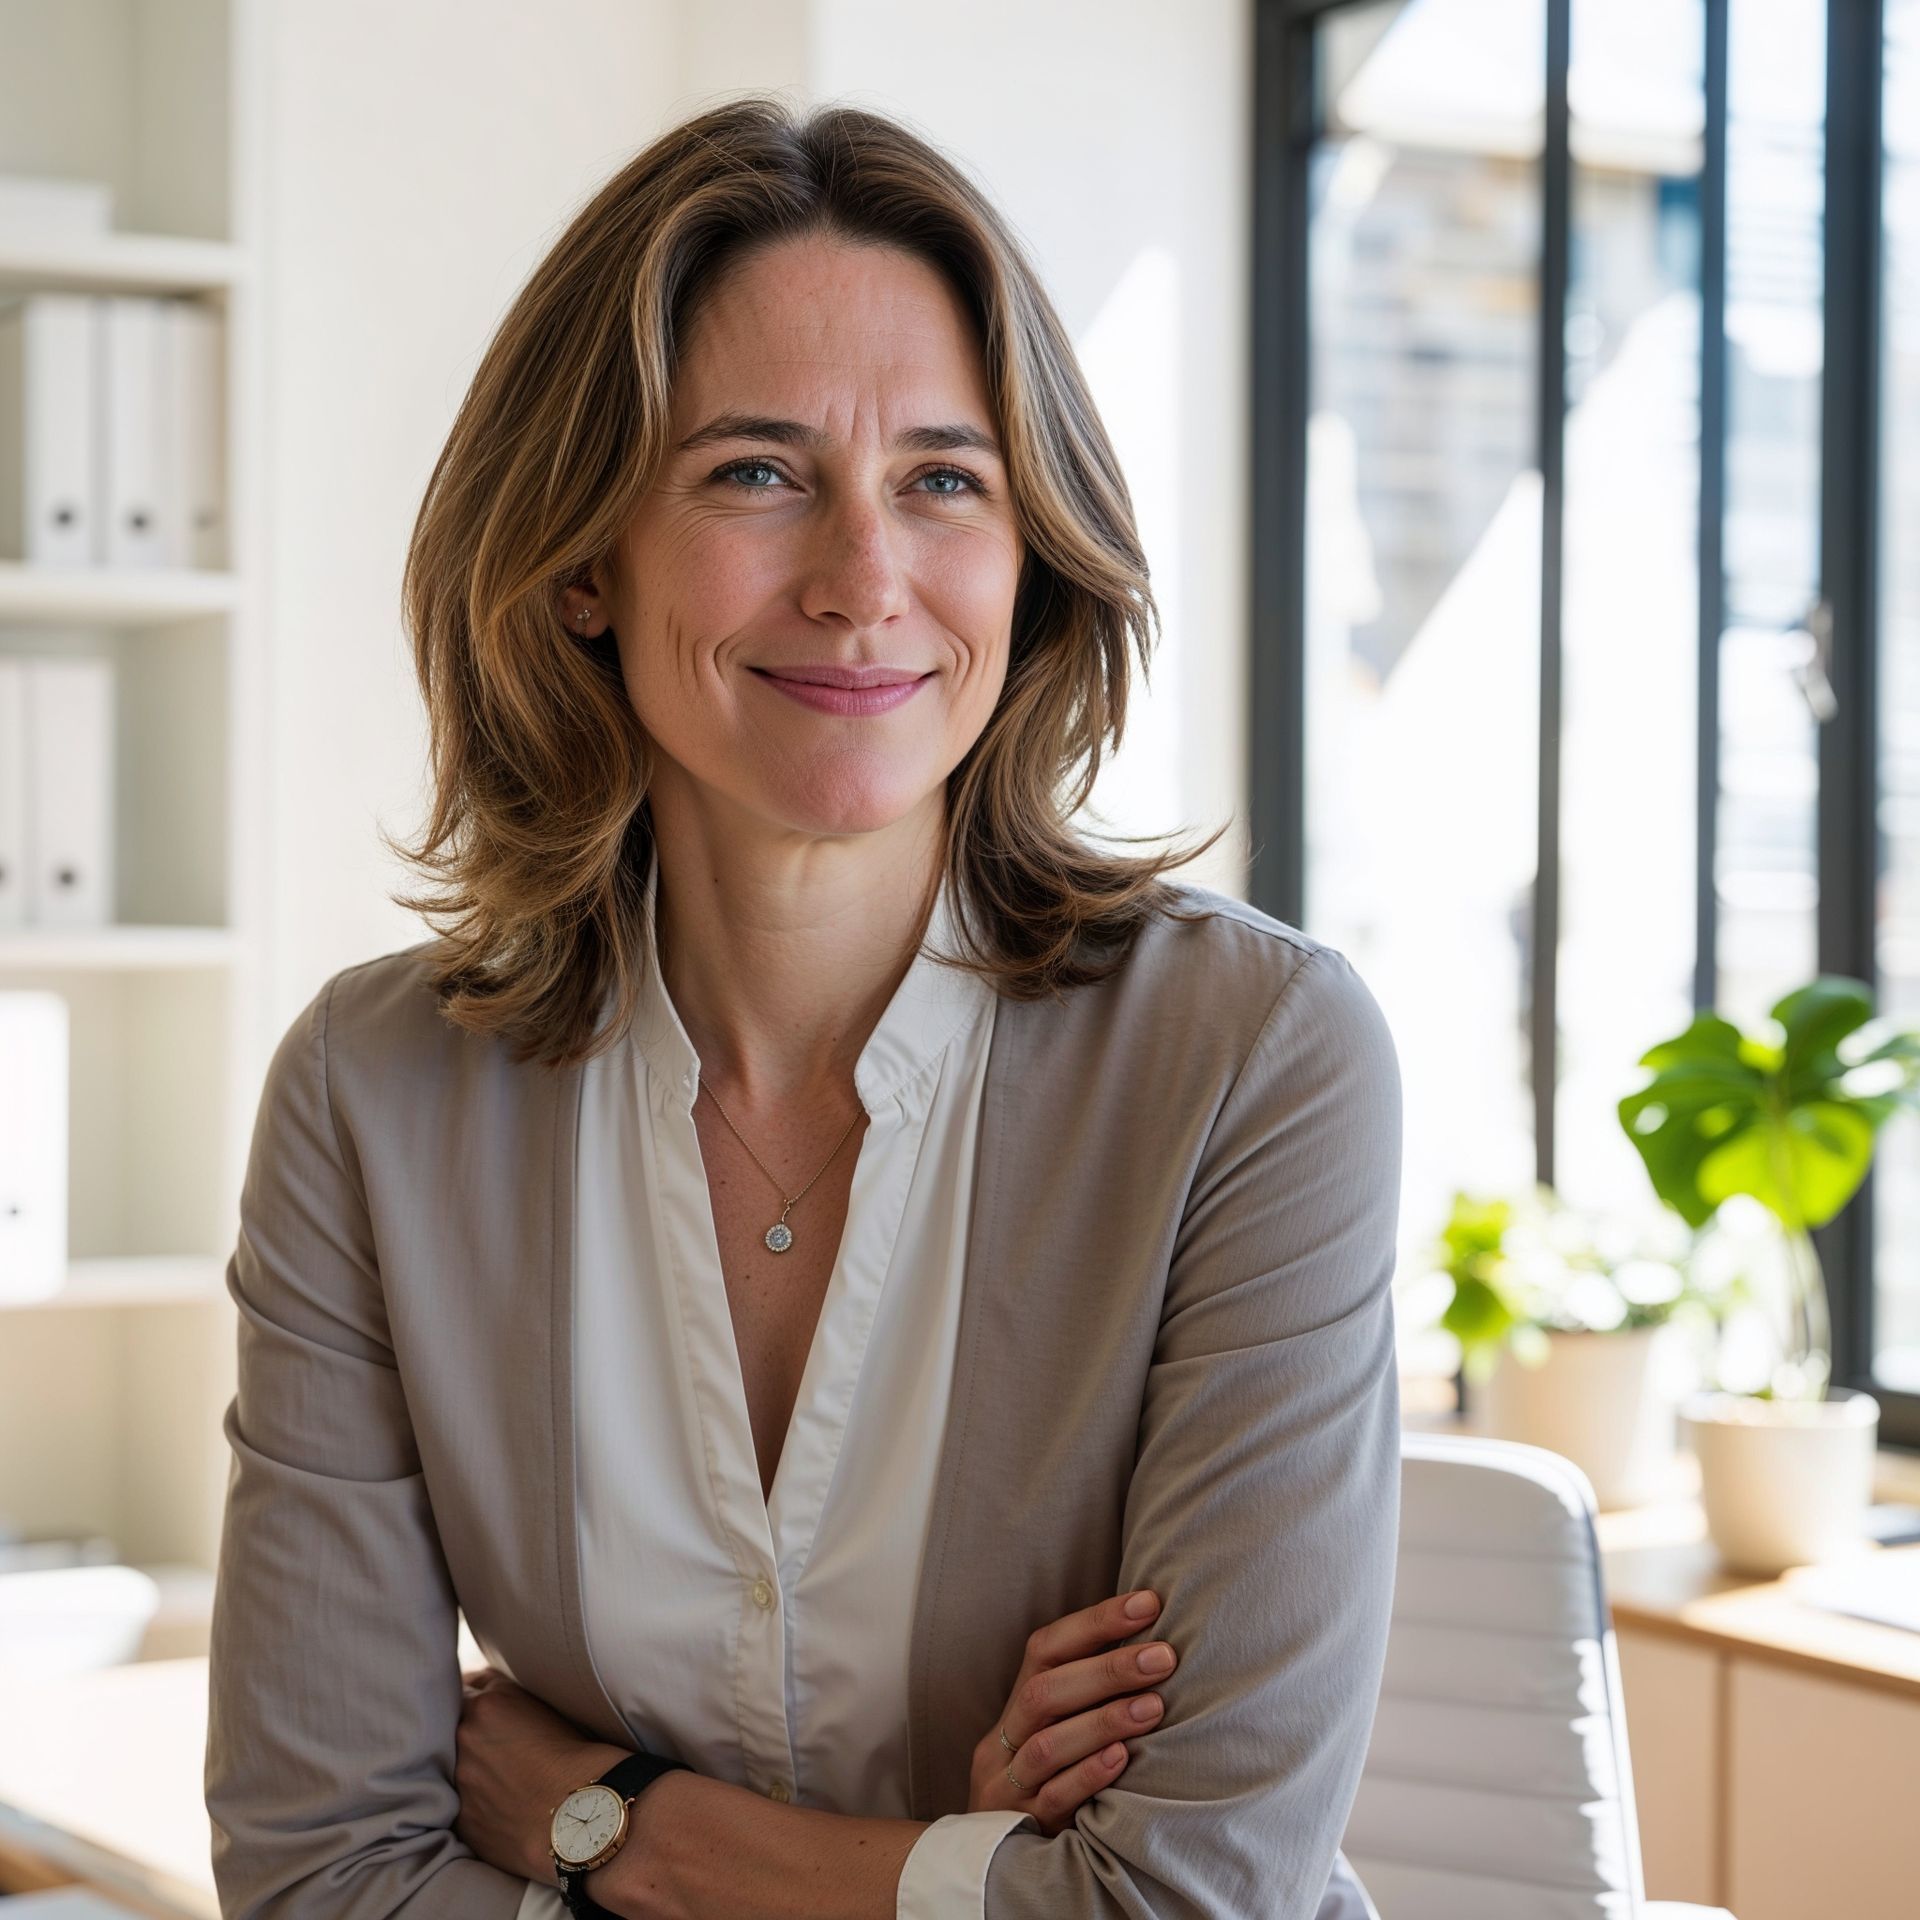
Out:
{"x": 585, "y": 1823}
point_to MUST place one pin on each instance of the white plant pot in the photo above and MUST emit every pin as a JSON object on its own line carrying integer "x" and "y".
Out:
{"x": 1600, "y": 1400}
{"x": 1784, "y": 1483}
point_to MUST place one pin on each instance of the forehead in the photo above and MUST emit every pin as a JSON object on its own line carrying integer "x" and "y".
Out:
{"x": 830, "y": 319}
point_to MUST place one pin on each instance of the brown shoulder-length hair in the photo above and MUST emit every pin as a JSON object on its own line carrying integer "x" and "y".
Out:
{"x": 538, "y": 829}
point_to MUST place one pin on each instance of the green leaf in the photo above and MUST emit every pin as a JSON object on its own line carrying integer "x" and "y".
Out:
{"x": 1804, "y": 1168}
{"x": 1478, "y": 1314}
{"x": 1709, "y": 1037}
{"x": 1790, "y": 1123}
{"x": 1818, "y": 1016}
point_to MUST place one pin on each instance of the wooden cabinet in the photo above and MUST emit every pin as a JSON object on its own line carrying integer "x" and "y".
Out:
{"x": 1822, "y": 1813}
{"x": 1775, "y": 1746}
{"x": 1674, "y": 1698}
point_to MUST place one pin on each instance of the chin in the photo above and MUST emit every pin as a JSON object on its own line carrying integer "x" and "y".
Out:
{"x": 836, "y": 802}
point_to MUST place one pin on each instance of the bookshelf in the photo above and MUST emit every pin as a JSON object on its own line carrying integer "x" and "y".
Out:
{"x": 111, "y": 1391}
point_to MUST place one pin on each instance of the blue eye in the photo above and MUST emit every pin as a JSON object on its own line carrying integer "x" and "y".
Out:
{"x": 735, "y": 467}
{"x": 953, "y": 473}
{"x": 970, "y": 482}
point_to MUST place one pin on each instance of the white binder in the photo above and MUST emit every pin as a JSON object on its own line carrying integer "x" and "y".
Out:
{"x": 39, "y": 206}
{"x": 192, "y": 426}
{"x": 13, "y": 793}
{"x": 49, "y": 429}
{"x": 33, "y": 1145}
{"x": 130, "y": 431}
{"x": 70, "y": 792}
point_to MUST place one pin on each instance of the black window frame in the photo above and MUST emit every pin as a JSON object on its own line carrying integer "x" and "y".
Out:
{"x": 1850, "y": 852}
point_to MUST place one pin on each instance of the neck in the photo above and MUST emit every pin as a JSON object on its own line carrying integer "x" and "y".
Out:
{"x": 782, "y": 951}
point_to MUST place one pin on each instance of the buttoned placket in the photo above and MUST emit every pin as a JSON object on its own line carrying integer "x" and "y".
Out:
{"x": 770, "y": 1538}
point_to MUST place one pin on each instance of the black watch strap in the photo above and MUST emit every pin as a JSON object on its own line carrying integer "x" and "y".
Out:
{"x": 629, "y": 1778}
{"x": 638, "y": 1771}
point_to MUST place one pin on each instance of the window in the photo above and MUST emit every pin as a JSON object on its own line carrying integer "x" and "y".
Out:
{"x": 1587, "y": 658}
{"x": 1894, "y": 1318}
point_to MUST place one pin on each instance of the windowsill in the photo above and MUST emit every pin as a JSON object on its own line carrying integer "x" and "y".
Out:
{"x": 1664, "y": 1576}
{"x": 1428, "y": 1404}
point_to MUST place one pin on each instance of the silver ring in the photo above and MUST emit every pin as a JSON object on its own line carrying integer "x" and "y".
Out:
{"x": 1017, "y": 1787}
{"x": 1005, "y": 1742}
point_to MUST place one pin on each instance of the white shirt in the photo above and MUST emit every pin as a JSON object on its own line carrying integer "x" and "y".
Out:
{"x": 764, "y": 1641}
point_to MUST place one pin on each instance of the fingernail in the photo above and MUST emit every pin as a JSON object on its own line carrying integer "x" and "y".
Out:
{"x": 1145, "y": 1709}
{"x": 1155, "y": 1659}
{"x": 1140, "y": 1605}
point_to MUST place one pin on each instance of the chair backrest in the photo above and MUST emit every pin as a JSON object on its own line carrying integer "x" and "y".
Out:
{"x": 1497, "y": 1784}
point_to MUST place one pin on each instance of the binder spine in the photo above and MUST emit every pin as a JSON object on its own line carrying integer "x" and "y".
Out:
{"x": 13, "y": 793}
{"x": 49, "y": 402}
{"x": 136, "y": 534}
{"x": 70, "y": 792}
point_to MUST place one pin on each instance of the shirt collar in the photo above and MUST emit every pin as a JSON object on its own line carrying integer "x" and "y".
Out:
{"x": 929, "y": 1007}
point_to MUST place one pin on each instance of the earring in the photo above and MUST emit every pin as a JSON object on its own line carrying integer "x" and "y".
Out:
{"x": 586, "y": 614}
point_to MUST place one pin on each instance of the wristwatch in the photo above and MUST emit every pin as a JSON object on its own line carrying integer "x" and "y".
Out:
{"x": 591, "y": 1824}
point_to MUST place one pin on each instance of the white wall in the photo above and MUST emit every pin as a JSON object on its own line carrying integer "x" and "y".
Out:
{"x": 422, "y": 157}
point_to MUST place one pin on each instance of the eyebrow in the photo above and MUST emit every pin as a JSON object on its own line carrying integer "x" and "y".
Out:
{"x": 795, "y": 433}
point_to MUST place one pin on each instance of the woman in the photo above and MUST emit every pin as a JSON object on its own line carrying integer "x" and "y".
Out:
{"x": 813, "y": 1236}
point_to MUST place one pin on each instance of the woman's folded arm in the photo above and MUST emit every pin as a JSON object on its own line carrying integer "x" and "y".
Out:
{"x": 1264, "y": 1502}
{"x": 334, "y": 1682}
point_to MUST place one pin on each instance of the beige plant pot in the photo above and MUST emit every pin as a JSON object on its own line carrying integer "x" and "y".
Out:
{"x": 1601, "y": 1400}
{"x": 1784, "y": 1483}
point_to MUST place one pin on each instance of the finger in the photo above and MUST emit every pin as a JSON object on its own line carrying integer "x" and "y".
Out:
{"x": 1076, "y": 1634}
{"x": 1055, "y": 1798}
{"x": 1064, "y": 1743}
{"x": 1048, "y": 1696}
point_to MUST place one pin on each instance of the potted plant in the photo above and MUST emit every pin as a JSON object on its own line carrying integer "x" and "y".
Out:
{"x": 1561, "y": 1315}
{"x": 1788, "y": 1117}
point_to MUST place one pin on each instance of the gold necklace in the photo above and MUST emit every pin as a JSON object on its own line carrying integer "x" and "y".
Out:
{"x": 779, "y": 1236}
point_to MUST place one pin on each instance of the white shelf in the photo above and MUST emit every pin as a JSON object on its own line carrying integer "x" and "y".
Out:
{"x": 119, "y": 596}
{"x": 119, "y": 263}
{"x": 135, "y": 1281}
{"x": 115, "y": 949}
{"x": 167, "y": 1029}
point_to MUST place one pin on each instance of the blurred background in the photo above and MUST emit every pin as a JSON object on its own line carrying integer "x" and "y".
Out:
{"x": 1521, "y": 405}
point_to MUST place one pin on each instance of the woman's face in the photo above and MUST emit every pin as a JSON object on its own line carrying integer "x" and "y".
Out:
{"x": 832, "y": 499}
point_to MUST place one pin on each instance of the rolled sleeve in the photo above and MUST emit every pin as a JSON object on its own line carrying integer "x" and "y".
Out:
{"x": 946, "y": 1873}
{"x": 1264, "y": 1502}
{"x": 333, "y": 1677}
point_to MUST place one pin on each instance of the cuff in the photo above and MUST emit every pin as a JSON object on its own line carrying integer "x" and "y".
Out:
{"x": 541, "y": 1903}
{"x": 945, "y": 1876}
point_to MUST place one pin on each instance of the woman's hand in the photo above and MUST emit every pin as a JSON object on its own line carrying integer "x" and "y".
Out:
{"x": 516, "y": 1760}
{"x": 1058, "y": 1722}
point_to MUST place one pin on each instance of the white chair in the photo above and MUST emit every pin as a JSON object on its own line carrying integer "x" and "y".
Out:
{"x": 1497, "y": 1784}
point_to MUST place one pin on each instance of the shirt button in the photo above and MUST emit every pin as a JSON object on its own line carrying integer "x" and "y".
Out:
{"x": 779, "y": 1791}
{"x": 762, "y": 1594}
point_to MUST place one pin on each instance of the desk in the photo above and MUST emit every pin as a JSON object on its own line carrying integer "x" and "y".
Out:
{"x": 100, "y": 1781}
{"x": 1773, "y": 1743}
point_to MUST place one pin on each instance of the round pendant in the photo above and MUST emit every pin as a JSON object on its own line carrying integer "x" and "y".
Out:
{"x": 779, "y": 1236}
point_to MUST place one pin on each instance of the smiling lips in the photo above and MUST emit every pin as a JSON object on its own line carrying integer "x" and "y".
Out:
{"x": 846, "y": 690}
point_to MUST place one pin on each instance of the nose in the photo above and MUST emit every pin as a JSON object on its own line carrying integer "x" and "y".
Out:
{"x": 854, "y": 566}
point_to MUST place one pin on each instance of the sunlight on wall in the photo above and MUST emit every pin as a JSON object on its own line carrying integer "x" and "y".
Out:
{"x": 1130, "y": 353}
